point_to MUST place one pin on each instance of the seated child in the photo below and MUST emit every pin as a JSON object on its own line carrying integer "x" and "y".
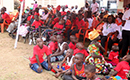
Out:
{"x": 90, "y": 71}
{"x": 37, "y": 62}
{"x": 53, "y": 44}
{"x": 61, "y": 51}
{"x": 113, "y": 56}
{"x": 65, "y": 64}
{"x": 78, "y": 67}
{"x": 23, "y": 29}
{"x": 80, "y": 49}
{"x": 95, "y": 58}
{"x": 72, "y": 44}
{"x": 122, "y": 68}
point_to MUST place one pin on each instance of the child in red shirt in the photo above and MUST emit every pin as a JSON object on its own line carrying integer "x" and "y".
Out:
{"x": 80, "y": 49}
{"x": 72, "y": 44}
{"x": 122, "y": 68}
{"x": 113, "y": 56}
{"x": 53, "y": 45}
{"x": 37, "y": 61}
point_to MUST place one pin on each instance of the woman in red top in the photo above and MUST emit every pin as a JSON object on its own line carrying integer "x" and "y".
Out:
{"x": 5, "y": 17}
{"x": 78, "y": 67}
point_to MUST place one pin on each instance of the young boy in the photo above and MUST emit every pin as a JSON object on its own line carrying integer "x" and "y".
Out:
{"x": 72, "y": 44}
{"x": 61, "y": 51}
{"x": 37, "y": 62}
{"x": 122, "y": 68}
{"x": 113, "y": 56}
{"x": 78, "y": 67}
{"x": 80, "y": 49}
{"x": 53, "y": 44}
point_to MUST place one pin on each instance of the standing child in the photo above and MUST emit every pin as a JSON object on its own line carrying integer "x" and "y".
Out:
{"x": 53, "y": 44}
{"x": 35, "y": 5}
{"x": 122, "y": 68}
{"x": 95, "y": 58}
{"x": 78, "y": 67}
{"x": 90, "y": 71}
{"x": 113, "y": 56}
{"x": 37, "y": 61}
{"x": 72, "y": 44}
{"x": 65, "y": 64}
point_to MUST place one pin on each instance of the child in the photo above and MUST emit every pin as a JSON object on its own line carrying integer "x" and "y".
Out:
{"x": 90, "y": 71}
{"x": 80, "y": 49}
{"x": 53, "y": 44}
{"x": 78, "y": 67}
{"x": 122, "y": 68}
{"x": 61, "y": 51}
{"x": 37, "y": 61}
{"x": 65, "y": 64}
{"x": 95, "y": 58}
{"x": 113, "y": 56}
{"x": 72, "y": 44}
{"x": 35, "y": 5}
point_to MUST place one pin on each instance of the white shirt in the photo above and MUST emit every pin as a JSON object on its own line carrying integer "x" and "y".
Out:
{"x": 119, "y": 29}
{"x": 41, "y": 11}
{"x": 108, "y": 28}
{"x": 90, "y": 20}
{"x": 94, "y": 7}
{"x": 126, "y": 17}
{"x": 44, "y": 16}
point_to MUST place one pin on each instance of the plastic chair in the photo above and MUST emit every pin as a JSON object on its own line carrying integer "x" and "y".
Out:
{"x": 86, "y": 35}
{"x": 4, "y": 24}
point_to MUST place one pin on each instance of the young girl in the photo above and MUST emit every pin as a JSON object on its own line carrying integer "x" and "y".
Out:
{"x": 35, "y": 5}
{"x": 65, "y": 64}
{"x": 72, "y": 44}
{"x": 78, "y": 67}
{"x": 95, "y": 58}
{"x": 90, "y": 71}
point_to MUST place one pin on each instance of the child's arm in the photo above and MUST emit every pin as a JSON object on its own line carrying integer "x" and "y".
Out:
{"x": 73, "y": 73}
{"x": 96, "y": 56}
{"x": 62, "y": 62}
{"x": 49, "y": 62}
{"x": 113, "y": 73}
{"x": 40, "y": 67}
{"x": 100, "y": 47}
{"x": 107, "y": 59}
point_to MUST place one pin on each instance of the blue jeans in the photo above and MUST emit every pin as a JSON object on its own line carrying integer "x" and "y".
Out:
{"x": 35, "y": 66}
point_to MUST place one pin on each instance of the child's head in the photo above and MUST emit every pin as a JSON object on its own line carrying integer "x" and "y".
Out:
{"x": 69, "y": 52}
{"x": 93, "y": 35}
{"x": 28, "y": 23}
{"x": 61, "y": 22}
{"x": 53, "y": 38}
{"x": 2, "y": 11}
{"x": 80, "y": 16}
{"x": 36, "y": 17}
{"x": 80, "y": 45}
{"x": 94, "y": 1}
{"x": 115, "y": 47}
{"x": 78, "y": 58}
{"x": 126, "y": 58}
{"x": 39, "y": 42}
{"x": 35, "y": 2}
{"x": 120, "y": 14}
{"x": 59, "y": 38}
{"x": 110, "y": 19}
{"x": 73, "y": 39}
{"x": 90, "y": 71}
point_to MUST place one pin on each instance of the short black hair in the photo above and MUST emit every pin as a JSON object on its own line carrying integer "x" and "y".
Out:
{"x": 80, "y": 54}
{"x": 90, "y": 68}
{"x": 113, "y": 18}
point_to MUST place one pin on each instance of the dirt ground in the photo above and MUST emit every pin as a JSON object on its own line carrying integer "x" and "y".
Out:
{"x": 14, "y": 63}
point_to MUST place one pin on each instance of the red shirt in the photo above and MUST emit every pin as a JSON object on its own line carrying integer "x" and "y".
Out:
{"x": 83, "y": 51}
{"x": 6, "y": 16}
{"x": 72, "y": 46}
{"x": 80, "y": 23}
{"x": 68, "y": 22}
{"x": 56, "y": 20}
{"x": 123, "y": 69}
{"x": 63, "y": 13}
{"x": 37, "y": 24}
{"x": 40, "y": 53}
{"x": 29, "y": 18}
{"x": 114, "y": 57}
{"x": 52, "y": 46}
{"x": 74, "y": 21}
{"x": 36, "y": 14}
{"x": 58, "y": 26}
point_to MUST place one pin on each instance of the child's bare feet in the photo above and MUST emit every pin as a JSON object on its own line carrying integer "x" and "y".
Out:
{"x": 57, "y": 74}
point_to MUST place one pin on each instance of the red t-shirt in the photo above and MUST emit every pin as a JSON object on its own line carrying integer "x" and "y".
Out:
{"x": 72, "y": 46}
{"x": 123, "y": 69}
{"x": 68, "y": 22}
{"x": 52, "y": 46}
{"x": 63, "y": 13}
{"x": 6, "y": 16}
{"x": 29, "y": 18}
{"x": 114, "y": 57}
{"x": 40, "y": 53}
{"x": 56, "y": 20}
{"x": 37, "y": 23}
{"x": 58, "y": 26}
{"x": 36, "y": 14}
{"x": 74, "y": 21}
{"x": 80, "y": 23}
{"x": 83, "y": 51}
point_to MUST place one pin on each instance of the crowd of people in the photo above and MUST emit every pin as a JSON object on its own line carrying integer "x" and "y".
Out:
{"x": 57, "y": 32}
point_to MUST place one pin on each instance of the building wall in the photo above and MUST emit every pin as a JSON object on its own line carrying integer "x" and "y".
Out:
{"x": 9, "y": 4}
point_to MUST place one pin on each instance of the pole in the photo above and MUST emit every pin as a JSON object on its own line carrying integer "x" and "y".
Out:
{"x": 20, "y": 17}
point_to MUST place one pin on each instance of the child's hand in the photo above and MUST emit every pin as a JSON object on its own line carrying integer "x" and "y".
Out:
{"x": 39, "y": 69}
{"x": 97, "y": 44}
{"x": 60, "y": 70}
{"x": 49, "y": 66}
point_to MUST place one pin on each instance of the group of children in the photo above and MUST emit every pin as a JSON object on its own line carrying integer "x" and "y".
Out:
{"x": 53, "y": 25}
